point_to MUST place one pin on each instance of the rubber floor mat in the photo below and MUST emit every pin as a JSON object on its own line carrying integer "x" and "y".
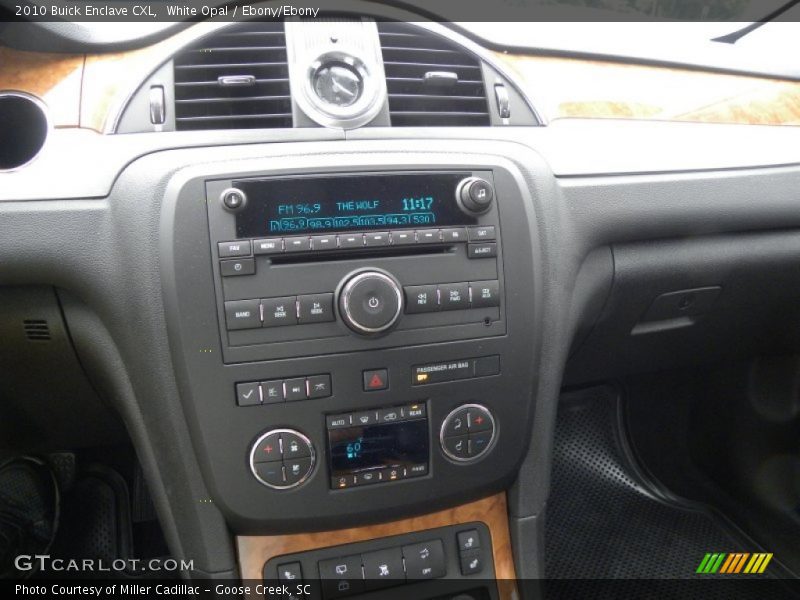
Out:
{"x": 603, "y": 522}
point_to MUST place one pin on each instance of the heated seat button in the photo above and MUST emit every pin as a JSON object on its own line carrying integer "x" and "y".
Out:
{"x": 454, "y": 296}
{"x": 268, "y": 449}
{"x": 421, "y": 298}
{"x": 457, "y": 424}
{"x": 425, "y": 560}
{"x": 456, "y": 447}
{"x": 315, "y": 308}
{"x": 383, "y": 568}
{"x": 484, "y": 293}
{"x": 279, "y": 311}
{"x": 242, "y": 314}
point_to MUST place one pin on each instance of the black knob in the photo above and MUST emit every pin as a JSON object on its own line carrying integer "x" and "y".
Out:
{"x": 233, "y": 199}
{"x": 475, "y": 195}
{"x": 370, "y": 302}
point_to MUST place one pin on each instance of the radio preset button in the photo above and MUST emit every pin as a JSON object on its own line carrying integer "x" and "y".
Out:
{"x": 403, "y": 238}
{"x": 370, "y": 302}
{"x": 454, "y": 296}
{"x": 421, "y": 299}
{"x": 315, "y": 308}
{"x": 242, "y": 266}
{"x": 486, "y": 250}
{"x": 351, "y": 240}
{"x": 268, "y": 246}
{"x": 482, "y": 233}
{"x": 454, "y": 234}
{"x": 297, "y": 244}
{"x": 279, "y": 311}
{"x": 429, "y": 236}
{"x": 323, "y": 242}
{"x": 379, "y": 238}
{"x": 242, "y": 314}
{"x": 231, "y": 249}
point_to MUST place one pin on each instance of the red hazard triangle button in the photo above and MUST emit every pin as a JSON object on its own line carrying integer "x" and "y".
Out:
{"x": 376, "y": 379}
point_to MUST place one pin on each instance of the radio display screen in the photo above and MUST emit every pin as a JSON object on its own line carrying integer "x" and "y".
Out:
{"x": 319, "y": 205}
{"x": 361, "y": 449}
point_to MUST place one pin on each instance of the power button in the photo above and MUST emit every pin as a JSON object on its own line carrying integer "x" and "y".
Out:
{"x": 370, "y": 302}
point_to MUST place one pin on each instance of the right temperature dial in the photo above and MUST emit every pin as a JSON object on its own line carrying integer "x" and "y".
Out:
{"x": 467, "y": 433}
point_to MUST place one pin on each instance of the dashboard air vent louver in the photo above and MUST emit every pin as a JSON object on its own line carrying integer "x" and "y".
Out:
{"x": 234, "y": 79}
{"x": 431, "y": 81}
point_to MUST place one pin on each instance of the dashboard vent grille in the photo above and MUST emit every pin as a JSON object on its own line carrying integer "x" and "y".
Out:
{"x": 234, "y": 79}
{"x": 36, "y": 330}
{"x": 431, "y": 81}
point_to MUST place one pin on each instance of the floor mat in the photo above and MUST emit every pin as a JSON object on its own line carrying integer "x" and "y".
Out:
{"x": 605, "y": 522}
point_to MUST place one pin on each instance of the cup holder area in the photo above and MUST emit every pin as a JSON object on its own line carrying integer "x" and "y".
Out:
{"x": 24, "y": 126}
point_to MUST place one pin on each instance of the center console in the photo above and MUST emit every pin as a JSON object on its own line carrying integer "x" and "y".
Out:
{"x": 355, "y": 336}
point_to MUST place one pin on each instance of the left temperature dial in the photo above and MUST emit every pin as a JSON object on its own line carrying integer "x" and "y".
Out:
{"x": 282, "y": 458}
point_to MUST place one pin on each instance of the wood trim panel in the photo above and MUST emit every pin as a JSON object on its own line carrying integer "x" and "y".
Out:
{"x": 55, "y": 78}
{"x": 254, "y": 551}
{"x": 567, "y": 87}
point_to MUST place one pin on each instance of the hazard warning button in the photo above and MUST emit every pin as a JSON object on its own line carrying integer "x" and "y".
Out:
{"x": 376, "y": 379}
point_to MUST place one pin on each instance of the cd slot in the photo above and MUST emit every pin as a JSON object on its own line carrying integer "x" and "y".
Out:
{"x": 334, "y": 255}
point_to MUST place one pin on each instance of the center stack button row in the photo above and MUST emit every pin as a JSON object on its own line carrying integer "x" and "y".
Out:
{"x": 277, "y": 312}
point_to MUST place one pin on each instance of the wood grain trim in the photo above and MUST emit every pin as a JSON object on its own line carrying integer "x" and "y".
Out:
{"x": 567, "y": 87}
{"x": 55, "y": 78}
{"x": 254, "y": 551}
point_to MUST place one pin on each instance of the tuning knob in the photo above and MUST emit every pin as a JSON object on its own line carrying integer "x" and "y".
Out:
{"x": 475, "y": 195}
{"x": 370, "y": 302}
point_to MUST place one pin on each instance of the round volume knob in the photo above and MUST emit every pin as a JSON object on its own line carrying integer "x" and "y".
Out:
{"x": 475, "y": 195}
{"x": 370, "y": 302}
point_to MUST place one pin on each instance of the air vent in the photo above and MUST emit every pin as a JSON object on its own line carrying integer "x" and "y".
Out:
{"x": 235, "y": 79}
{"x": 36, "y": 330}
{"x": 431, "y": 80}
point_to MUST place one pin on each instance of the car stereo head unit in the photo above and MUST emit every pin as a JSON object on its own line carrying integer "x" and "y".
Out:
{"x": 320, "y": 204}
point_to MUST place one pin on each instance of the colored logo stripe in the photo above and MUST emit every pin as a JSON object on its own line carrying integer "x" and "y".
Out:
{"x": 736, "y": 562}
